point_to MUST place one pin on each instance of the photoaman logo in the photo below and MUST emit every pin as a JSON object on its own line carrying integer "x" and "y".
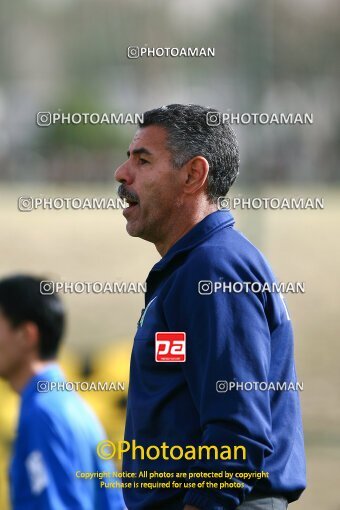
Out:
{"x": 170, "y": 347}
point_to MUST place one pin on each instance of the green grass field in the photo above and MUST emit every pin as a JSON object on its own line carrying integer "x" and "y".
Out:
{"x": 301, "y": 245}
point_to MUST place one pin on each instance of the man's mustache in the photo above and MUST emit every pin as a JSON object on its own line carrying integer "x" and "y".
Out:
{"x": 124, "y": 193}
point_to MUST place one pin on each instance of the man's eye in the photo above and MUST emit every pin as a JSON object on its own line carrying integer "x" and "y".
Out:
{"x": 143, "y": 161}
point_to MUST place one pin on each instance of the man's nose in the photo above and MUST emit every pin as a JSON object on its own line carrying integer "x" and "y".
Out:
{"x": 123, "y": 174}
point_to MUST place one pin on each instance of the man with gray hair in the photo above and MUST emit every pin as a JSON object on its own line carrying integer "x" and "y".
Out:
{"x": 196, "y": 336}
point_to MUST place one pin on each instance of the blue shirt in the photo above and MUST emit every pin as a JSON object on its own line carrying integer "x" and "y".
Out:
{"x": 230, "y": 336}
{"x": 57, "y": 436}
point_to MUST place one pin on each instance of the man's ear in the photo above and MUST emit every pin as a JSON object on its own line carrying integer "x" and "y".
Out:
{"x": 30, "y": 335}
{"x": 197, "y": 170}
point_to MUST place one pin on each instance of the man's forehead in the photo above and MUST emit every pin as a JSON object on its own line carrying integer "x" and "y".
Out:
{"x": 152, "y": 138}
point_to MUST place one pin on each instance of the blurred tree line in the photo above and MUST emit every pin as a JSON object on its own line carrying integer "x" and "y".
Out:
{"x": 71, "y": 56}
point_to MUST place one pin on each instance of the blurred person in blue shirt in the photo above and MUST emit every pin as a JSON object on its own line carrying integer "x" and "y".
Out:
{"x": 57, "y": 433}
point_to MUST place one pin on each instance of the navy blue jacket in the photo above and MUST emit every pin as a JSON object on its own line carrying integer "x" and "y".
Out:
{"x": 230, "y": 336}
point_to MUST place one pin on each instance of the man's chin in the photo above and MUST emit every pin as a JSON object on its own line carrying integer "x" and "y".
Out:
{"x": 133, "y": 229}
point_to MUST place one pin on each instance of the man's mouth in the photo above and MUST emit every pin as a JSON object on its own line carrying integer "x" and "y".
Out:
{"x": 130, "y": 198}
{"x": 131, "y": 203}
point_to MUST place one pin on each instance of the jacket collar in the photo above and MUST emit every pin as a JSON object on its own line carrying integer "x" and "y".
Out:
{"x": 204, "y": 229}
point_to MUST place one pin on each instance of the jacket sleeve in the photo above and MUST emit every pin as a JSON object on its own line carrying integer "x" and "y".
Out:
{"x": 227, "y": 340}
